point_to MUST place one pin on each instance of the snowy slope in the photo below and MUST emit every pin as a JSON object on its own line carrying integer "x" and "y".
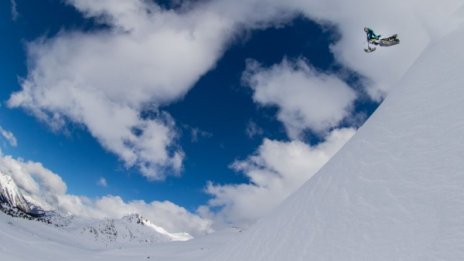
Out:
{"x": 31, "y": 240}
{"x": 171, "y": 236}
{"x": 394, "y": 192}
{"x": 44, "y": 242}
{"x": 84, "y": 239}
{"x": 129, "y": 230}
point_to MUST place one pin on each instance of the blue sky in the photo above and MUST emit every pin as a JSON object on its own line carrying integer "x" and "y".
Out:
{"x": 210, "y": 119}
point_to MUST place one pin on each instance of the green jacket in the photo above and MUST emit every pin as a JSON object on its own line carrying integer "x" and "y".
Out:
{"x": 371, "y": 35}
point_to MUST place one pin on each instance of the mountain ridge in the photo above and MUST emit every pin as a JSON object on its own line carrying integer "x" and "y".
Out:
{"x": 132, "y": 229}
{"x": 11, "y": 195}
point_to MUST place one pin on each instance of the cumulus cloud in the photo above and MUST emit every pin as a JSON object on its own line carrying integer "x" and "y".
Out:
{"x": 104, "y": 79}
{"x": 276, "y": 170}
{"x": 8, "y": 136}
{"x": 38, "y": 183}
{"x": 147, "y": 55}
{"x": 306, "y": 98}
{"x": 46, "y": 189}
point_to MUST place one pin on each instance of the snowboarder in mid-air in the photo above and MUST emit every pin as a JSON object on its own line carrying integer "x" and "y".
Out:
{"x": 373, "y": 38}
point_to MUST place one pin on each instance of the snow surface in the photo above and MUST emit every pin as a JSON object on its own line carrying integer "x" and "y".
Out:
{"x": 171, "y": 236}
{"x": 30, "y": 240}
{"x": 112, "y": 233}
{"x": 394, "y": 192}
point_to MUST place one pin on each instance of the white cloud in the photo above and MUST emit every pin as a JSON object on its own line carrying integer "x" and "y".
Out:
{"x": 149, "y": 56}
{"x": 40, "y": 184}
{"x": 306, "y": 98}
{"x": 102, "y": 182}
{"x": 9, "y": 136}
{"x": 275, "y": 171}
{"x": 103, "y": 79}
{"x": 46, "y": 189}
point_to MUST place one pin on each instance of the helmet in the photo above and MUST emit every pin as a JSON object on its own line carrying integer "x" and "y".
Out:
{"x": 366, "y": 29}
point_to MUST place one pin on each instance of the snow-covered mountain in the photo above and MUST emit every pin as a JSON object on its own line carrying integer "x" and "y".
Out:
{"x": 11, "y": 195}
{"x": 132, "y": 229}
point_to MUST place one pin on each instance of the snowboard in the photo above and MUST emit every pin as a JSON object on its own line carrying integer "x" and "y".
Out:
{"x": 369, "y": 49}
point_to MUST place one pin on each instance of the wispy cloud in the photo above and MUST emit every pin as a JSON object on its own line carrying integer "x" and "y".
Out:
{"x": 196, "y": 134}
{"x": 9, "y": 136}
{"x": 102, "y": 182}
{"x": 14, "y": 10}
{"x": 253, "y": 130}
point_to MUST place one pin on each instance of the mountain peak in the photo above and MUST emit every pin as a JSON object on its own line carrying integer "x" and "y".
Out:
{"x": 11, "y": 195}
{"x": 134, "y": 218}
